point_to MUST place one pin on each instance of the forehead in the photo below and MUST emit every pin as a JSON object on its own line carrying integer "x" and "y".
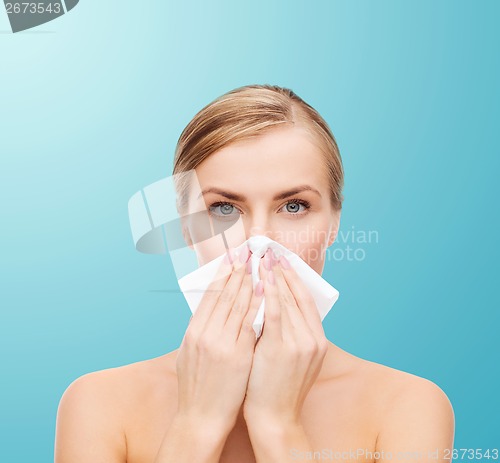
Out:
{"x": 280, "y": 158}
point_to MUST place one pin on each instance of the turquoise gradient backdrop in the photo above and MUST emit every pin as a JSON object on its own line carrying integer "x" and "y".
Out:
{"x": 91, "y": 107}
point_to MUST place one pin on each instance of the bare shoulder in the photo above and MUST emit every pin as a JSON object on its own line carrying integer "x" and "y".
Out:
{"x": 392, "y": 383}
{"x": 97, "y": 407}
{"x": 402, "y": 410}
{"x": 410, "y": 409}
{"x": 403, "y": 391}
{"x": 384, "y": 383}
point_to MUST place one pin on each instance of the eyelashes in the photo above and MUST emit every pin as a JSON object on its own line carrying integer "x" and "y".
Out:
{"x": 299, "y": 202}
{"x": 227, "y": 206}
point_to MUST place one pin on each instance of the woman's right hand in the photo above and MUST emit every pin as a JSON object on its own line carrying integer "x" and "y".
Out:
{"x": 215, "y": 357}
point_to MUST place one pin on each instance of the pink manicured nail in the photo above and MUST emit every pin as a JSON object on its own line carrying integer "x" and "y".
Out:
{"x": 284, "y": 262}
{"x": 259, "y": 288}
{"x": 249, "y": 266}
{"x": 270, "y": 277}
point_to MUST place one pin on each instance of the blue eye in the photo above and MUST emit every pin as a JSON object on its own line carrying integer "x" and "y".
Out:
{"x": 225, "y": 209}
{"x": 293, "y": 206}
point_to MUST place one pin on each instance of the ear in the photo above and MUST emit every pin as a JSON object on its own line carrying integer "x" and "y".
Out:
{"x": 334, "y": 227}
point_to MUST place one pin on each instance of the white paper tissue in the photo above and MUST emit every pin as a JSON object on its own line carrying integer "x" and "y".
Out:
{"x": 194, "y": 284}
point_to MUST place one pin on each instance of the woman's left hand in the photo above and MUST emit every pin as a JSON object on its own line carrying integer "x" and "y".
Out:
{"x": 289, "y": 354}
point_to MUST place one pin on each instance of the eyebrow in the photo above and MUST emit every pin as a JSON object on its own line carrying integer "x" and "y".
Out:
{"x": 282, "y": 195}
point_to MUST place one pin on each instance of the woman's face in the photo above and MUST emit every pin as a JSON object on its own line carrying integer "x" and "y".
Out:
{"x": 274, "y": 185}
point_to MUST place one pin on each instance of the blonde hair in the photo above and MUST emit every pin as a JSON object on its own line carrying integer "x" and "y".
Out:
{"x": 247, "y": 112}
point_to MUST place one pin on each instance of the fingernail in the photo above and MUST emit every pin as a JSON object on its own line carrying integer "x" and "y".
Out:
{"x": 259, "y": 289}
{"x": 249, "y": 266}
{"x": 270, "y": 277}
{"x": 284, "y": 262}
{"x": 244, "y": 254}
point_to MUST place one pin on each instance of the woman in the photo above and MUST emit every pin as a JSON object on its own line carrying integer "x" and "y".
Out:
{"x": 263, "y": 155}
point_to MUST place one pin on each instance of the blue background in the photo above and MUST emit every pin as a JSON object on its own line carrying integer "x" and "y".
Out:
{"x": 91, "y": 107}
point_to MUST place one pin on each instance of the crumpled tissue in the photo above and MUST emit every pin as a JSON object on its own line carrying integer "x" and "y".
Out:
{"x": 194, "y": 284}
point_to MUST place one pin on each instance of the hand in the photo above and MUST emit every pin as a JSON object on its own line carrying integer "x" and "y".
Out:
{"x": 215, "y": 357}
{"x": 289, "y": 354}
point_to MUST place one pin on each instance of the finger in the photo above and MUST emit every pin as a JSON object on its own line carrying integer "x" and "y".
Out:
{"x": 296, "y": 330}
{"x": 211, "y": 294}
{"x": 229, "y": 294}
{"x": 247, "y": 334}
{"x": 288, "y": 304}
{"x": 303, "y": 297}
{"x": 241, "y": 304}
{"x": 288, "y": 329}
{"x": 272, "y": 311}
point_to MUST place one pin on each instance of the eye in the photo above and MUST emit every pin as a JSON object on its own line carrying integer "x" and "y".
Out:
{"x": 222, "y": 209}
{"x": 293, "y": 206}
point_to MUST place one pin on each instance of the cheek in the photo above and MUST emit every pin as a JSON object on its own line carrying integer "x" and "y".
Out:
{"x": 313, "y": 255}
{"x": 209, "y": 250}
{"x": 309, "y": 243}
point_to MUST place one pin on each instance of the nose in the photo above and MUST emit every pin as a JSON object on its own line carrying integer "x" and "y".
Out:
{"x": 254, "y": 231}
{"x": 258, "y": 226}
{"x": 258, "y": 247}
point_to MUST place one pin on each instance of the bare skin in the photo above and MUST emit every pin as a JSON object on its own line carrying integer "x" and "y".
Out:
{"x": 290, "y": 393}
{"x": 346, "y": 409}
